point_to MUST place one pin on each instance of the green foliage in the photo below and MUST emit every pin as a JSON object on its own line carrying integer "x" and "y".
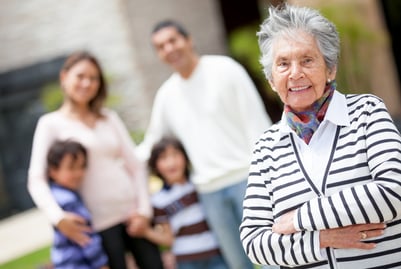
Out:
{"x": 244, "y": 47}
{"x": 357, "y": 41}
{"x": 137, "y": 136}
{"x": 112, "y": 100}
{"x": 33, "y": 260}
{"x": 51, "y": 96}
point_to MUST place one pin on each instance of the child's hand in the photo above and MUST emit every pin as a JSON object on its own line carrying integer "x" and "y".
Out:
{"x": 74, "y": 227}
{"x": 137, "y": 225}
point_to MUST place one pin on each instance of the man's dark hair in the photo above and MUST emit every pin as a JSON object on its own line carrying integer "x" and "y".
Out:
{"x": 171, "y": 23}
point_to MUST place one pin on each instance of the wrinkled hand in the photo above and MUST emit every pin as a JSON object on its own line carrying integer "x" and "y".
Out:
{"x": 74, "y": 227}
{"x": 285, "y": 224}
{"x": 343, "y": 237}
{"x": 137, "y": 225}
{"x": 351, "y": 236}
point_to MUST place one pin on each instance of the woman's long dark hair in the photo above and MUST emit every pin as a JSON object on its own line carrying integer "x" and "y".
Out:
{"x": 96, "y": 104}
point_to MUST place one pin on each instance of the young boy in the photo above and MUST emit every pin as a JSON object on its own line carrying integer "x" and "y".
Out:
{"x": 66, "y": 164}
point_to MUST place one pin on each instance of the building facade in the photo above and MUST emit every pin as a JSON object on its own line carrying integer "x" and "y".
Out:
{"x": 36, "y": 36}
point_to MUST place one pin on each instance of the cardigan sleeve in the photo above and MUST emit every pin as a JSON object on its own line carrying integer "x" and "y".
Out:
{"x": 135, "y": 167}
{"x": 261, "y": 244}
{"x": 38, "y": 186}
{"x": 377, "y": 201}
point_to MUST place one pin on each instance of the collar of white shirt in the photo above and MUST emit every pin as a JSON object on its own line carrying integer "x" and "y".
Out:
{"x": 337, "y": 113}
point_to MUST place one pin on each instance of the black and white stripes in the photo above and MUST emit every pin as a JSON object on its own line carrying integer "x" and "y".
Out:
{"x": 362, "y": 184}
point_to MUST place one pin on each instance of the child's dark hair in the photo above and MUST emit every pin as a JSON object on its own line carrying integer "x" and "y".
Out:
{"x": 159, "y": 148}
{"x": 59, "y": 149}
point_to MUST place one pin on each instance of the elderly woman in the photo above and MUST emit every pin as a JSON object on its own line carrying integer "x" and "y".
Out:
{"x": 324, "y": 189}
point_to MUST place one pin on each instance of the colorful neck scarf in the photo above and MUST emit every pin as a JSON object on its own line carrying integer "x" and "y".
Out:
{"x": 305, "y": 123}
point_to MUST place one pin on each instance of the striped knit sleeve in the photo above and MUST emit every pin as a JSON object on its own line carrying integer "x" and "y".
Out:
{"x": 375, "y": 199}
{"x": 94, "y": 253}
{"x": 259, "y": 242}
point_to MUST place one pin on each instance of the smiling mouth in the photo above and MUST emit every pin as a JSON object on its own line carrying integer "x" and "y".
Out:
{"x": 298, "y": 89}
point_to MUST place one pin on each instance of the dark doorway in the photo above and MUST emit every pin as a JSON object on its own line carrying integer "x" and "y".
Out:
{"x": 392, "y": 14}
{"x": 20, "y": 108}
{"x": 241, "y": 21}
{"x": 237, "y": 13}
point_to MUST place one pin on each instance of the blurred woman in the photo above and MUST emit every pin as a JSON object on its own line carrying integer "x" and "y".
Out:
{"x": 115, "y": 185}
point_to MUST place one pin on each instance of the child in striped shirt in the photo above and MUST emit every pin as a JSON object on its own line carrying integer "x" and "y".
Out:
{"x": 180, "y": 221}
{"x": 66, "y": 165}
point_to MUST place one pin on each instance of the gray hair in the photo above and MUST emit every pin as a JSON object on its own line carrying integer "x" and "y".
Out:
{"x": 285, "y": 20}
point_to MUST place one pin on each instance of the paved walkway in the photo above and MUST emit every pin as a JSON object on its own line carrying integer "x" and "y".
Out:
{"x": 30, "y": 231}
{"x": 22, "y": 234}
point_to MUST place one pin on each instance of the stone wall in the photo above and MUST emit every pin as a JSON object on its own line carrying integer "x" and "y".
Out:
{"x": 117, "y": 32}
{"x": 201, "y": 18}
{"x": 34, "y": 31}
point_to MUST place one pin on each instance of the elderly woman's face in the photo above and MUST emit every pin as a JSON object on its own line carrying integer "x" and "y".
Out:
{"x": 299, "y": 72}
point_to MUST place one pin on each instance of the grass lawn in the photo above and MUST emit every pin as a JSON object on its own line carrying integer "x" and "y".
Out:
{"x": 33, "y": 260}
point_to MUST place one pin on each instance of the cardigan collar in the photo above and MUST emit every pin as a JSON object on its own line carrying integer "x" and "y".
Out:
{"x": 337, "y": 114}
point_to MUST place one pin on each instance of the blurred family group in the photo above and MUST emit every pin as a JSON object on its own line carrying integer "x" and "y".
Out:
{"x": 321, "y": 188}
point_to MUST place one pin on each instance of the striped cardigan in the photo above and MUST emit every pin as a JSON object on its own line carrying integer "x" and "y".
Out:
{"x": 362, "y": 184}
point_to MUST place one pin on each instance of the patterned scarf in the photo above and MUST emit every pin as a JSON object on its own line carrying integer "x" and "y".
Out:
{"x": 305, "y": 123}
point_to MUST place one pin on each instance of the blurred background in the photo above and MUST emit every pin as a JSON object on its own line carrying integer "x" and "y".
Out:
{"x": 36, "y": 36}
